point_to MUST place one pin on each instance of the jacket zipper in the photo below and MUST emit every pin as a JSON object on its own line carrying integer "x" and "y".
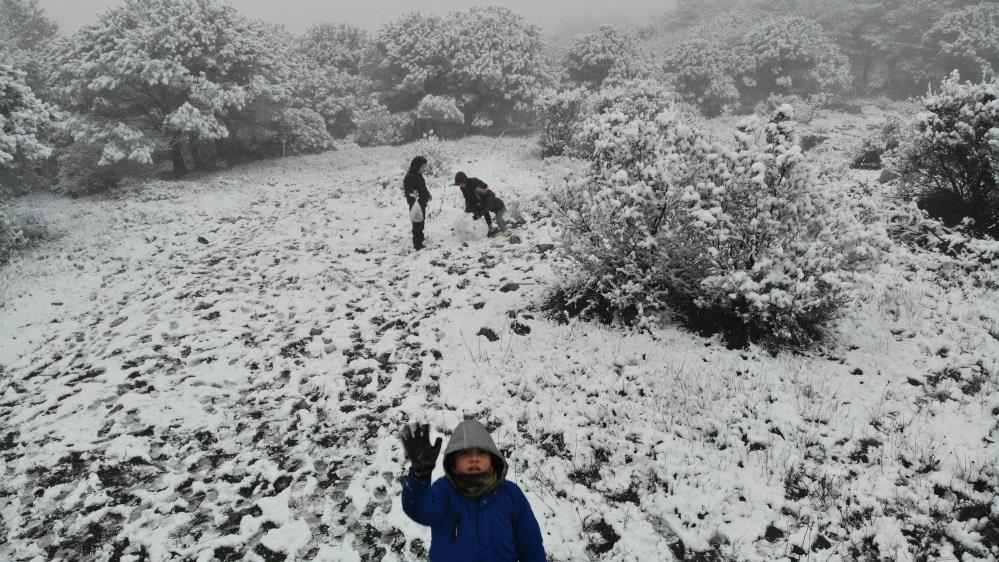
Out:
{"x": 457, "y": 524}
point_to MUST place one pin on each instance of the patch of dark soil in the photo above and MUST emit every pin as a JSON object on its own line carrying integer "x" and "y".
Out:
{"x": 605, "y": 537}
{"x": 586, "y": 476}
{"x": 269, "y": 555}
{"x": 554, "y": 445}
{"x": 863, "y": 450}
{"x": 488, "y": 333}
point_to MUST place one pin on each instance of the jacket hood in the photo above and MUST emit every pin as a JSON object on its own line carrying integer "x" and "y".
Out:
{"x": 471, "y": 434}
{"x": 414, "y": 166}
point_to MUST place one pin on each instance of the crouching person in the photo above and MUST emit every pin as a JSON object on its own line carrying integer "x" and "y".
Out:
{"x": 473, "y": 512}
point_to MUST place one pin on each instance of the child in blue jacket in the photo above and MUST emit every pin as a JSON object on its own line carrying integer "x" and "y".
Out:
{"x": 474, "y": 513}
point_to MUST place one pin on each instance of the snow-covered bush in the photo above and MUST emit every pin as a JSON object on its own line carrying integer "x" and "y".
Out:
{"x": 186, "y": 69}
{"x": 81, "y": 173}
{"x": 885, "y": 138}
{"x": 435, "y": 151}
{"x": 95, "y": 156}
{"x": 440, "y": 114}
{"x": 791, "y": 54}
{"x": 805, "y": 108}
{"x": 735, "y": 240}
{"x": 377, "y": 126}
{"x": 560, "y": 116}
{"x": 594, "y": 56}
{"x": 303, "y": 131}
{"x": 704, "y": 74}
{"x": 948, "y": 162}
{"x": 497, "y": 73}
{"x": 10, "y": 234}
{"x": 636, "y": 98}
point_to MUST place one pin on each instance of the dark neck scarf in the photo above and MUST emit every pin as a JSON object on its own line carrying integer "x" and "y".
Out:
{"x": 475, "y": 485}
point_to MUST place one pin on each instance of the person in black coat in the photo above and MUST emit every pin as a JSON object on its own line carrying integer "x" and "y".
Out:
{"x": 415, "y": 190}
{"x": 472, "y": 205}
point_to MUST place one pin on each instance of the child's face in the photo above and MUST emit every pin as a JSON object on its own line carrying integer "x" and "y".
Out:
{"x": 472, "y": 461}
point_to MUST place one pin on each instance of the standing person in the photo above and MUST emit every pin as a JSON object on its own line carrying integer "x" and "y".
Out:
{"x": 415, "y": 189}
{"x": 489, "y": 203}
{"x": 468, "y": 186}
{"x": 474, "y": 513}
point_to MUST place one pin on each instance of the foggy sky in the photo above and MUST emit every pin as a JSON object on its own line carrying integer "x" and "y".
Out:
{"x": 298, "y": 15}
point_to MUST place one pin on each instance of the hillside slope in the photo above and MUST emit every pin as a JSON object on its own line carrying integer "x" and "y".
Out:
{"x": 237, "y": 397}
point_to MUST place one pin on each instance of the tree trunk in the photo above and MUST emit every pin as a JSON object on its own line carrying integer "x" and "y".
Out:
{"x": 221, "y": 150}
{"x": 196, "y": 155}
{"x": 177, "y": 155}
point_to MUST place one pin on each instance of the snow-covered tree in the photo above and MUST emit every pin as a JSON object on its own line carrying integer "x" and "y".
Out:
{"x": 737, "y": 240}
{"x": 560, "y": 114}
{"x": 791, "y": 54}
{"x": 493, "y": 74}
{"x": 889, "y": 42}
{"x": 25, "y": 34}
{"x": 439, "y": 114}
{"x": 594, "y": 56}
{"x": 966, "y": 40}
{"x": 180, "y": 71}
{"x": 704, "y": 73}
{"x": 22, "y": 118}
{"x": 948, "y": 161}
{"x": 331, "y": 81}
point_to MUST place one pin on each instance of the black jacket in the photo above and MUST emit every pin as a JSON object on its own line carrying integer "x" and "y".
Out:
{"x": 488, "y": 200}
{"x": 414, "y": 182}
{"x": 468, "y": 192}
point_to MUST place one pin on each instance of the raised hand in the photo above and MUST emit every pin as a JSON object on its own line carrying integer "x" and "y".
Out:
{"x": 423, "y": 456}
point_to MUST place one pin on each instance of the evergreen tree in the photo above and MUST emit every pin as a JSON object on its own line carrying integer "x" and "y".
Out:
{"x": 171, "y": 71}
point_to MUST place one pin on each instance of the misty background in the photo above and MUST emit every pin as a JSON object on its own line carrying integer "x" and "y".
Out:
{"x": 554, "y": 17}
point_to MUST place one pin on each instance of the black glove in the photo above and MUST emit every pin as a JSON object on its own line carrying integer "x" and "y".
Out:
{"x": 418, "y": 450}
{"x": 476, "y": 216}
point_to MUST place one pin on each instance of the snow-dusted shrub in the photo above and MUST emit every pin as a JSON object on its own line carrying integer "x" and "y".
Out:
{"x": 440, "y": 114}
{"x": 806, "y": 108}
{"x": 791, "y": 54}
{"x": 80, "y": 173}
{"x": 704, "y": 74}
{"x": 303, "y": 131}
{"x": 948, "y": 162}
{"x": 885, "y": 138}
{"x": 10, "y": 234}
{"x": 497, "y": 73}
{"x": 594, "y": 56}
{"x": 96, "y": 155}
{"x": 435, "y": 151}
{"x": 560, "y": 116}
{"x": 736, "y": 240}
{"x": 377, "y": 126}
{"x": 636, "y": 98}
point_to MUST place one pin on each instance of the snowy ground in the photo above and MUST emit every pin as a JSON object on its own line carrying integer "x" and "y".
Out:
{"x": 237, "y": 397}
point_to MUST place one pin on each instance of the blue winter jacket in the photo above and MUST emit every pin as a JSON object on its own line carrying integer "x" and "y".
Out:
{"x": 498, "y": 527}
